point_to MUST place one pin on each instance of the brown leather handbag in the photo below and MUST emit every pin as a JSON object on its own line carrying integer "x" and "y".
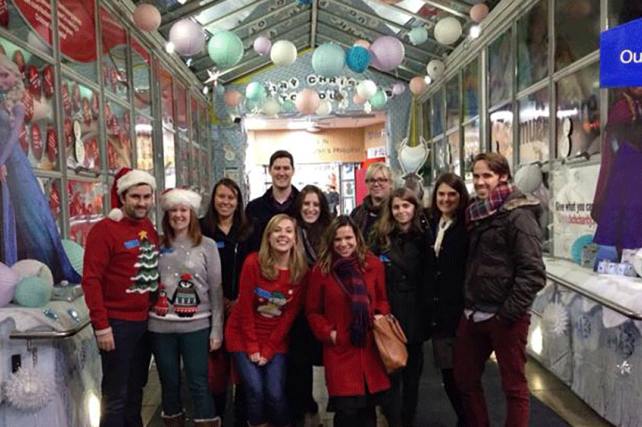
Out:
{"x": 391, "y": 342}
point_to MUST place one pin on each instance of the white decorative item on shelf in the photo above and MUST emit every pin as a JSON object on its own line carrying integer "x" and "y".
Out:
{"x": 28, "y": 390}
{"x": 413, "y": 158}
{"x": 555, "y": 319}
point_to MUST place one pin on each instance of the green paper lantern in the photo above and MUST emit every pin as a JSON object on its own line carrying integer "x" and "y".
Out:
{"x": 75, "y": 253}
{"x": 32, "y": 292}
{"x": 328, "y": 60}
{"x": 288, "y": 107}
{"x": 225, "y": 48}
{"x": 378, "y": 101}
{"x": 255, "y": 92}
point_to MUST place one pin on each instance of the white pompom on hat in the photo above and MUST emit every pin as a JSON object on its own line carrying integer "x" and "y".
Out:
{"x": 125, "y": 179}
{"x": 180, "y": 196}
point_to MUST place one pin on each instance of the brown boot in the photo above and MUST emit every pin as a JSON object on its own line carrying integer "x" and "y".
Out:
{"x": 177, "y": 420}
{"x": 214, "y": 422}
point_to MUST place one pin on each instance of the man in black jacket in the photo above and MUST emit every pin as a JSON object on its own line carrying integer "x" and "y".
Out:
{"x": 503, "y": 273}
{"x": 280, "y": 197}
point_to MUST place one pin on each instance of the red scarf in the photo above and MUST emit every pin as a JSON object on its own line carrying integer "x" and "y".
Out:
{"x": 483, "y": 208}
{"x": 346, "y": 271}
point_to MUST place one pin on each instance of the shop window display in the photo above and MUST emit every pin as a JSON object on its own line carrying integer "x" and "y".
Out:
{"x": 532, "y": 46}
{"x": 452, "y": 103}
{"x": 440, "y": 148}
{"x": 471, "y": 90}
{"x": 167, "y": 115}
{"x": 85, "y": 208}
{"x": 578, "y": 113}
{"x": 500, "y": 75}
{"x": 81, "y": 109}
{"x": 51, "y": 189}
{"x": 183, "y": 166}
{"x": 194, "y": 108}
{"x": 118, "y": 131}
{"x": 141, "y": 66}
{"x": 623, "y": 11}
{"x": 471, "y": 147}
{"x": 22, "y": 20}
{"x": 76, "y": 20}
{"x": 577, "y": 30}
{"x": 169, "y": 158}
{"x": 114, "y": 60}
{"x": 533, "y": 127}
{"x": 144, "y": 144}
{"x": 454, "y": 153}
{"x": 501, "y": 132}
{"x": 437, "y": 125}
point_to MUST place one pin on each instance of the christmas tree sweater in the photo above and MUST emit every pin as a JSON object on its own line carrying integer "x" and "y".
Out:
{"x": 120, "y": 270}
{"x": 191, "y": 296}
{"x": 261, "y": 320}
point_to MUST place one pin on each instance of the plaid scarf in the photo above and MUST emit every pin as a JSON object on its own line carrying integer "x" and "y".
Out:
{"x": 346, "y": 272}
{"x": 483, "y": 208}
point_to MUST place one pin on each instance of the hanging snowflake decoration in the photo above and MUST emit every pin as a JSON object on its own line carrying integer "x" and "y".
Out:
{"x": 28, "y": 390}
{"x": 555, "y": 319}
{"x": 624, "y": 368}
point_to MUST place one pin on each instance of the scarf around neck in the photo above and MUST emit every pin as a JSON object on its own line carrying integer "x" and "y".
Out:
{"x": 483, "y": 208}
{"x": 346, "y": 272}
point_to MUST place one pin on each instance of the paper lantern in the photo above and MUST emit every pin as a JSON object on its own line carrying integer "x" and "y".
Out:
{"x": 307, "y": 101}
{"x": 271, "y": 107}
{"x": 75, "y": 253}
{"x": 305, "y": 2}
{"x": 418, "y": 35}
{"x": 328, "y": 60}
{"x": 188, "y": 37}
{"x": 262, "y": 45}
{"x": 288, "y": 107}
{"x": 448, "y": 30}
{"x": 32, "y": 267}
{"x": 362, "y": 43}
{"x": 528, "y": 178}
{"x": 358, "y": 100}
{"x": 378, "y": 101}
{"x": 387, "y": 53}
{"x": 398, "y": 88}
{"x": 32, "y": 292}
{"x": 283, "y": 53}
{"x": 417, "y": 85}
{"x": 479, "y": 12}
{"x": 29, "y": 390}
{"x": 225, "y": 48}
{"x": 147, "y": 17}
{"x": 435, "y": 69}
{"x": 358, "y": 58}
{"x": 8, "y": 280}
{"x": 366, "y": 89}
{"x": 325, "y": 108}
{"x": 255, "y": 91}
{"x": 233, "y": 98}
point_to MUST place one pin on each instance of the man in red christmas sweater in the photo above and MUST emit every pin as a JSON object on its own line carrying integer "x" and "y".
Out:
{"x": 120, "y": 271}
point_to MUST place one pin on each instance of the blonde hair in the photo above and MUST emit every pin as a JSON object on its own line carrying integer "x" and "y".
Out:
{"x": 297, "y": 263}
{"x": 327, "y": 254}
{"x": 17, "y": 92}
{"x": 378, "y": 167}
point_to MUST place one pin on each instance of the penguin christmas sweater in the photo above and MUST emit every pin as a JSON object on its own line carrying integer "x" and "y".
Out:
{"x": 191, "y": 295}
{"x": 120, "y": 270}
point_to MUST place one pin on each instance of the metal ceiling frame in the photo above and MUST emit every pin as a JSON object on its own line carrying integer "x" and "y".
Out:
{"x": 186, "y": 11}
{"x": 252, "y": 5}
{"x": 439, "y": 4}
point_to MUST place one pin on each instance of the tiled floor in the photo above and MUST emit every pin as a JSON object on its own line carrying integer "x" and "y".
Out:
{"x": 544, "y": 385}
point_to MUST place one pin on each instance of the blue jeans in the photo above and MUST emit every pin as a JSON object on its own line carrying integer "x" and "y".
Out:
{"x": 193, "y": 348}
{"x": 125, "y": 372}
{"x": 265, "y": 389}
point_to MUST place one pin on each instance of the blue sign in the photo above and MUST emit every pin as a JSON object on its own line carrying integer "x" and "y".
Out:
{"x": 621, "y": 55}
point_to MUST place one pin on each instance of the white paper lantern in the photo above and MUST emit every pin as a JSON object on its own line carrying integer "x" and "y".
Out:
{"x": 188, "y": 37}
{"x": 448, "y": 30}
{"x": 325, "y": 108}
{"x": 435, "y": 69}
{"x": 33, "y": 268}
{"x": 283, "y": 53}
{"x": 528, "y": 178}
{"x": 271, "y": 107}
{"x": 366, "y": 89}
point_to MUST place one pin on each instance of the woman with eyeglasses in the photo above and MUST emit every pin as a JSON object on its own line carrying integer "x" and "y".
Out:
{"x": 404, "y": 246}
{"x": 379, "y": 182}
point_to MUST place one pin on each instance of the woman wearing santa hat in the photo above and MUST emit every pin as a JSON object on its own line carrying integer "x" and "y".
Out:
{"x": 188, "y": 322}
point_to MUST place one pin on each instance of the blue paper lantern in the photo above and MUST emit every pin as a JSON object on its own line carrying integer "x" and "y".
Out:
{"x": 328, "y": 60}
{"x": 305, "y": 2}
{"x": 378, "y": 101}
{"x": 255, "y": 92}
{"x": 75, "y": 253}
{"x": 33, "y": 292}
{"x": 358, "y": 58}
{"x": 418, "y": 35}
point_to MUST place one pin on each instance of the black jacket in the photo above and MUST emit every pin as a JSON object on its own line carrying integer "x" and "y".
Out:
{"x": 365, "y": 215}
{"x": 447, "y": 291}
{"x": 263, "y": 208}
{"x": 232, "y": 251}
{"x": 505, "y": 268}
{"x": 409, "y": 265}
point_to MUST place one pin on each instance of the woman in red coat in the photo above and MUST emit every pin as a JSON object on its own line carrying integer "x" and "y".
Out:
{"x": 346, "y": 291}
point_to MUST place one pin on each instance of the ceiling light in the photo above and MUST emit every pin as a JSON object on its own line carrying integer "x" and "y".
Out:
{"x": 169, "y": 47}
{"x": 188, "y": 62}
{"x": 475, "y": 31}
{"x": 182, "y": 1}
{"x": 206, "y": 90}
{"x": 428, "y": 80}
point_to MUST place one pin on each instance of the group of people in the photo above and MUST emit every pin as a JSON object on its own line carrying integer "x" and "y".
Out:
{"x": 282, "y": 285}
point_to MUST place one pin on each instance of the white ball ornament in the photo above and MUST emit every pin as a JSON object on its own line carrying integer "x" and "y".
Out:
{"x": 188, "y": 37}
{"x": 271, "y": 107}
{"x": 435, "y": 69}
{"x": 283, "y": 53}
{"x": 448, "y": 30}
{"x": 366, "y": 89}
{"x": 325, "y": 108}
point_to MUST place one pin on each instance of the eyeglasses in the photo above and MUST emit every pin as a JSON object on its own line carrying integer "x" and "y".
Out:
{"x": 379, "y": 181}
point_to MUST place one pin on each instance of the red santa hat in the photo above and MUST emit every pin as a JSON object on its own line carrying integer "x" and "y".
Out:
{"x": 125, "y": 179}
{"x": 180, "y": 196}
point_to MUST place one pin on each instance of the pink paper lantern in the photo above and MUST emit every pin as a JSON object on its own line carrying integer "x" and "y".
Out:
{"x": 307, "y": 101}
{"x": 233, "y": 98}
{"x": 479, "y": 12}
{"x": 188, "y": 37}
{"x": 358, "y": 100}
{"x": 362, "y": 42}
{"x": 8, "y": 281}
{"x": 262, "y": 45}
{"x": 147, "y": 17}
{"x": 387, "y": 53}
{"x": 417, "y": 85}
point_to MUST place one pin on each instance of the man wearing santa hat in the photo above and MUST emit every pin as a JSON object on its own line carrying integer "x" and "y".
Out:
{"x": 120, "y": 271}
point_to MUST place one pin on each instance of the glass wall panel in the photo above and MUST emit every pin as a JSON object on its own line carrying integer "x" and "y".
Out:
{"x": 23, "y": 21}
{"x": 533, "y": 127}
{"x": 77, "y": 24}
{"x": 183, "y": 164}
{"x": 51, "y": 189}
{"x": 114, "y": 60}
{"x": 181, "y": 111}
{"x": 577, "y": 30}
{"x": 437, "y": 103}
{"x": 452, "y": 103}
{"x": 144, "y": 144}
{"x": 453, "y": 153}
{"x": 532, "y": 46}
{"x": 471, "y": 90}
{"x": 472, "y": 145}
{"x": 195, "y": 123}
{"x": 578, "y": 112}
{"x": 81, "y": 110}
{"x": 169, "y": 158}
{"x": 442, "y": 160}
{"x": 118, "y": 128}
{"x": 167, "y": 97}
{"x": 501, "y": 132}
{"x": 500, "y": 76}
{"x": 623, "y": 11}
{"x": 85, "y": 208}
{"x": 141, "y": 71}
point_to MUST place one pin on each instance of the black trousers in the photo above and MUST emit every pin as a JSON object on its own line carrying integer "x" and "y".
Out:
{"x": 304, "y": 353}
{"x": 401, "y": 407}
